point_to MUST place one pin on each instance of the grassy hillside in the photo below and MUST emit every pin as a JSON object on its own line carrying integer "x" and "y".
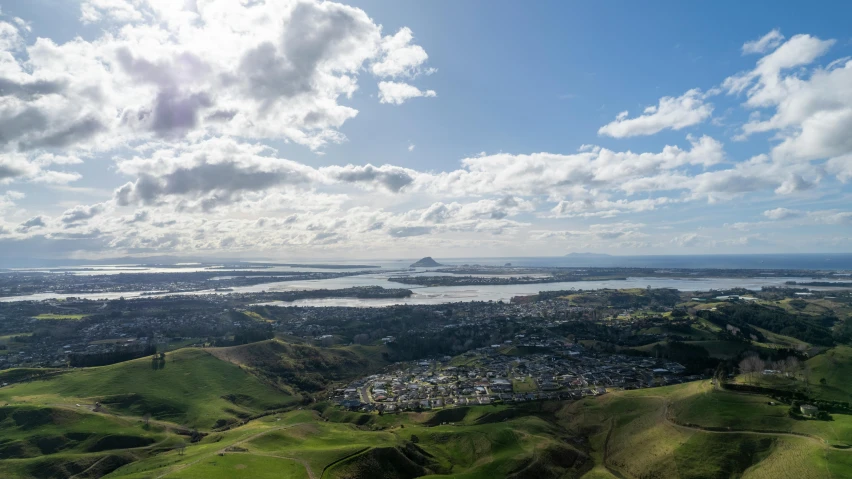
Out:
{"x": 485, "y": 443}
{"x": 673, "y": 432}
{"x": 306, "y": 367}
{"x": 830, "y": 377}
{"x": 191, "y": 387}
{"x": 46, "y": 442}
{"x": 50, "y": 429}
{"x": 683, "y": 432}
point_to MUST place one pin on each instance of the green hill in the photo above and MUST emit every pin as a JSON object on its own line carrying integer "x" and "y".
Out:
{"x": 695, "y": 430}
{"x": 47, "y": 442}
{"x": 308, "y": 368}
{"x": 191, "y": 388}
{"x": 390, "y": 446}
{"x": 49, "y": 427}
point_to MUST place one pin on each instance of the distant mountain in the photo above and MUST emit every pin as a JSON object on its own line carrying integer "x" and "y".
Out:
{"x": 426, "y": 262}
{"x": 587, "y": 255}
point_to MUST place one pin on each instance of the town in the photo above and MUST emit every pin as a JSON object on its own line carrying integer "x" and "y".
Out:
{"x": 493, "y": 375}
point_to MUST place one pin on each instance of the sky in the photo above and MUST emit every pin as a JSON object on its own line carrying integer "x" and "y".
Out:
{"x": 377, "y": 129}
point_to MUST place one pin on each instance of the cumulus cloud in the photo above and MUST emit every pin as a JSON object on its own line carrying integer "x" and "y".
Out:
{"x": 259, "y": 70}
{"x": 208, "y": 174}
{"x": 782, "y": 214}
{"x": 763, "y": 44}
{"x": 221, "y": 171}
{"x": 812, "y": 108}
{"x": 188, "y": 96}
{"x": 33, "y": 223}
{"x": 397, "y": 93}
{"x": 392, "y": 178}
{"x": 561, "y": 175}
{"x": 832, "y": 217}
{"x": 408, "y": 231}
{"x": 689, "y": 240}
{"x": 14, "y": 166}
{"x": 622, "y": 231}
{"x": 399, "y": 57}
{"x": 671, "y": 113}
{"x": 605, "y": 208}
{"x": 123, "y": 11}
{"x": 80, "y": 214}
{"x": 10, "y": 37}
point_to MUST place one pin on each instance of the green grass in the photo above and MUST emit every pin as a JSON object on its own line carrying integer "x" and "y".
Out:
{"x": 320, "y": 443}
{"x": 61, "y": 317}
{"x": 833, "y": 365}
{"x": 193, "y": 388}
{"x": 721, "y": 349}
{"x": 243, "y": 465}
{"x": 726, "y": 409}
{"x": 643, "y": 444}
{"x": 715, "y": 456}
{"x": 44, "y": 431}
{"x": 525, "y": 385}
{"x": 59, "y": 442}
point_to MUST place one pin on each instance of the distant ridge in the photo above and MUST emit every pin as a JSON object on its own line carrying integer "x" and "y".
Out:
{"x": 588, "y": 255}
{"x": 426, "y": 262}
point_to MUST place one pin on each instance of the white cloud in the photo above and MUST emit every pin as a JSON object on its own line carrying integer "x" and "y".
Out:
{"x": 782, "y": 214}
{"x": 392, "y": 178}
{"x": 671, "y": 113}
{"x": 399, "y": 56}
{"x": 602, "y": 231}
{"x": 10, "y": 37}
{"x": 57, "y": 177}
{"x": 812, "y": 110}
{"x": 605, "y": 208}
{"x": 560, "y": 175}
{"x": 166, "y": 69}
{"x": 397, "y": 93}
{"x": 832, "y": 217}
{"x": 764, "y": 43}
{"x": 122, "y": 11}
{"x": 188, "y": 96}
{"x": 688, "y": 240}
{"x": 80, "y": 214}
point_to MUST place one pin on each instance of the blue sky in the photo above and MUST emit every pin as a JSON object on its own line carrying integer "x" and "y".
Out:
{"x": 374, "y": 128}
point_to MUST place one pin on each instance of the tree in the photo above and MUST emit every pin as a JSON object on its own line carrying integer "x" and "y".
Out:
{"x": 822, "y": 381}
{"x": 792, "y": 366}
{"x": 752, "y": 364}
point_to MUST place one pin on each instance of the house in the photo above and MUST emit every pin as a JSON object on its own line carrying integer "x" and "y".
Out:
{"x": 809, "y": 410}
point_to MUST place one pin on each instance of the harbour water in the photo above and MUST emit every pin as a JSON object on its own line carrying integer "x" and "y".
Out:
{"x": 449, "y": 294}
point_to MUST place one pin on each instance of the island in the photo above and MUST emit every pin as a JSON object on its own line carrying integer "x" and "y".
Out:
{"x": 426, "y": 262}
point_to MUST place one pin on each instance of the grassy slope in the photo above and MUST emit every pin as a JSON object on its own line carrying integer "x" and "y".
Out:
{"x": 188, "y": 390}
{"x": 834, "y": 365}
{"x": 58, "y": 442}
{"x": 243, "y": 465}
{"x": 482, "y": 445}
{"x": 304, "y": 366}
{"x": 642, "y": 443}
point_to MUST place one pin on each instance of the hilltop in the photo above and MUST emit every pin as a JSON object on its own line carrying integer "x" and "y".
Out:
{"x": 426, "y": 262}
{"x": 189, "y": 387}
